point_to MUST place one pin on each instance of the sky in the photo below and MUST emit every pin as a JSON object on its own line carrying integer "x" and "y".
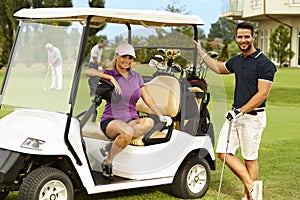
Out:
{"x": 208, "y": 10}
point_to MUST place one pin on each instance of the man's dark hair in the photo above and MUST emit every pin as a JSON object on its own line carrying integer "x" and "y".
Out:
{"x": 245, "y": 25}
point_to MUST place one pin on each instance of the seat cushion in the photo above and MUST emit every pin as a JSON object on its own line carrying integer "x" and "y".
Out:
{"x": 165, "y": 90}
{"x": 92, "y": 130}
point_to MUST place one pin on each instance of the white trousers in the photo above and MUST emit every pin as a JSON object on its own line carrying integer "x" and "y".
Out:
{"x": 56, "y": 77}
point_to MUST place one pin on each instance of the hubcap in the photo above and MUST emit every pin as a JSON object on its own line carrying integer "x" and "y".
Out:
{"x": 54, "y": 190}
{"x": 196, "y": 178}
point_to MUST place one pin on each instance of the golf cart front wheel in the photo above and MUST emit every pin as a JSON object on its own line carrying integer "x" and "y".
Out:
{"x": 192, "y": 178}
{"x": 3, "y": 195}
{"x": 46, "y": 183}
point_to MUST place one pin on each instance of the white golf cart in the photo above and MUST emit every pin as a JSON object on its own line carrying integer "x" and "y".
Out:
{"x": 50, "y": 140}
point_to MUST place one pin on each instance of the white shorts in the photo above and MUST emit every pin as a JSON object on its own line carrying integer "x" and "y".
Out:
{"x": 246, "y": 133}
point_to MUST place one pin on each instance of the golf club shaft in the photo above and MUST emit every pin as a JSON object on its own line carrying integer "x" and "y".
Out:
{"x": 46, "y": 78}
{"x": 224, "y": 159}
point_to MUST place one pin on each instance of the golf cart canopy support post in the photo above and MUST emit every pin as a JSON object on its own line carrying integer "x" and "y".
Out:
{"x": 8, "y": 64}
{"x": 75, "y": 84}
{"x": 129, "y": 32}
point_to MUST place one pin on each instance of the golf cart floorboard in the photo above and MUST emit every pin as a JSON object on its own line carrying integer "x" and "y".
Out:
{"x": 101, "y": 180}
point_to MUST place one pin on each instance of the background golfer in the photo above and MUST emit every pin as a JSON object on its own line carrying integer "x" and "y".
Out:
{"x": 254, "y": 74}
{"x": 55, "y": 65}
{"x": 96, "y": 63}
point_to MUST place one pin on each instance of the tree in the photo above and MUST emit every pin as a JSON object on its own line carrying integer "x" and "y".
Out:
{"x": 93, "y": 37}
{"x": 187, "y": 30}
{"x": 279, "y": 45}
{"x": 8, "y": 24}
{"x": 224, "y": 52}
{"x": 233, "y": 49}
{"x": 201, "y": 34}
{"x": 224, "y": 29}
{"x": 174, "y": 9}
{"x": 208, "y": 44}
{"x": 96, "y": 3}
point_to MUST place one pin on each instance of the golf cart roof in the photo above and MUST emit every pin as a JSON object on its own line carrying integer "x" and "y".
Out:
{"x": 104, "y": 15}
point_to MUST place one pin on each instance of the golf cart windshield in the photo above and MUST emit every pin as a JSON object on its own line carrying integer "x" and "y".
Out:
{"x": 29, "y": 80}
{"x": 28, "y": 83}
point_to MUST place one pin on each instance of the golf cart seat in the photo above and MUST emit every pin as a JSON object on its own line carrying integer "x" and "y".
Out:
{"x": 165, "y": 90}
{"x": 92, "y": 130}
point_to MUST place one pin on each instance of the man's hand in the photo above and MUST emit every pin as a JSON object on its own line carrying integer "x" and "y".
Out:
{"x": 197, "y": 44}
{"x": 233, "y": 114}
{"x": 168, "y": 120}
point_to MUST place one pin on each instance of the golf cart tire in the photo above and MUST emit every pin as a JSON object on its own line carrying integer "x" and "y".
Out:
{"x": 187, "y": 183}
{"x": 49, "y": 180}
{"x": 3, "y": 195}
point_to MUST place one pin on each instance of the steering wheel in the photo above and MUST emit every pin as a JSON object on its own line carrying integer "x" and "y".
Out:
{"x": 104, "y": 81}
{"x": 106, "y": 90}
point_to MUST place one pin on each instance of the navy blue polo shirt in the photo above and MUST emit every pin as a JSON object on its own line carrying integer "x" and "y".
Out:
{"x": 247, "y": 73}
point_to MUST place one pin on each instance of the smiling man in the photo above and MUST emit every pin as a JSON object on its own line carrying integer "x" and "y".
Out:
{"x": 254, "y": 75}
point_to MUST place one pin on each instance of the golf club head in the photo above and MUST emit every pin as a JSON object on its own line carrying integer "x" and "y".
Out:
{"x": 213, "y": 54}
{"x": 153, "y": 63}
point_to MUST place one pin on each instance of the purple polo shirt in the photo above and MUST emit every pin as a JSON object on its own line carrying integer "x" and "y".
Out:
{"x": 124, "y": 110}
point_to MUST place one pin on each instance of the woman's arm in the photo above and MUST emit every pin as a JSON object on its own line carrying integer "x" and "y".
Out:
{"x": 90, "y": 72}
{"x": 153, "y": 106}
{"x": 150, "y": 101}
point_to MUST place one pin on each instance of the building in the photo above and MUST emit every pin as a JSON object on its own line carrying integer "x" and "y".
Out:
{"x": 268, "y": 13}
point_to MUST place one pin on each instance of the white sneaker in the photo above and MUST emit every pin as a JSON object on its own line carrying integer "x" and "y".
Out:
{"x": 256, "y": 192}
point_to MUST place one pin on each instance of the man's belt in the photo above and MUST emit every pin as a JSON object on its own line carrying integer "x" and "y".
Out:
{"x": 253, "y": 112}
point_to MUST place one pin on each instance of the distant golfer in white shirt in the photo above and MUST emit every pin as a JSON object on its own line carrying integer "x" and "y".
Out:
{"x": 55, "y": 65}
{"x": 96, "y": 63}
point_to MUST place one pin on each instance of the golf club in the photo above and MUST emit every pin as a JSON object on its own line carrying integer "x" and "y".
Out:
{"x": 45, "y": 80}
{"x": 224, "y": 160}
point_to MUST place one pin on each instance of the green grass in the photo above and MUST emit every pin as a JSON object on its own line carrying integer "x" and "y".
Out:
{"x": 279, "y": 159}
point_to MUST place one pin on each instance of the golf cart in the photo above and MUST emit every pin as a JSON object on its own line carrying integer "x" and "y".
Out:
{"x": 50, "y": 140}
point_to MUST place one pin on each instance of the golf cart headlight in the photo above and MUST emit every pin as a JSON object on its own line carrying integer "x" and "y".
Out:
{"x": 32, "y": 143}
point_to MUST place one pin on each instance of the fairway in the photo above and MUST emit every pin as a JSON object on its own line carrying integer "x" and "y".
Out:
{"x": 279, "y": 159}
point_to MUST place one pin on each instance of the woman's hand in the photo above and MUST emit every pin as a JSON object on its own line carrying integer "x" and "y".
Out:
{"x": 117, "y": 86}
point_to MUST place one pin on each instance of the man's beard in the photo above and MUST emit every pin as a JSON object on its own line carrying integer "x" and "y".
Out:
{"x": 247, "y": 49}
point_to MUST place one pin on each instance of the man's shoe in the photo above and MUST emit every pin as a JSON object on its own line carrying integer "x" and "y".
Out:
{"x": 256, "y": 192}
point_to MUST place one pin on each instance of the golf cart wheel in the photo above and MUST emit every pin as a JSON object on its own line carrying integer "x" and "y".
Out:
{"x": 46, "y": 183}
{"x": 192, "y": 178}
{"x": 3, "y": 195}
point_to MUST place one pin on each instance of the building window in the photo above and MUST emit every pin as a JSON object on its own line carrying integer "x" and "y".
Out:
{"x": 295, "y": 2}
{"x": 266, "y": 38}
{"x": 262, "y": 40}
{"x": 256, "y": 3}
